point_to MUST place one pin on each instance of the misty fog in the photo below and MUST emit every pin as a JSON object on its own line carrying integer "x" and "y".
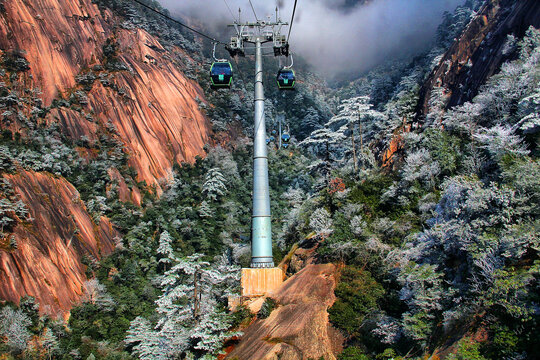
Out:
{"x": 334, "y": 36}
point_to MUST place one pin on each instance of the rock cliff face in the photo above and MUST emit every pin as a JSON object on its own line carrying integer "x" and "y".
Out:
{"x": 480, "y": 51}
{"x": 298, "y": 328}
{"x": 152, "y": 104}
{"x": 47, "y": 262}
{"x": 471, "y": 60}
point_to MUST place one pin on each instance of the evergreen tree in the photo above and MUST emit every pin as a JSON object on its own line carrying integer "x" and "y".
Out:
{"x": 14, "y": 329}
{"x": 191, "y": 313}
{"x": 214, "y": 184}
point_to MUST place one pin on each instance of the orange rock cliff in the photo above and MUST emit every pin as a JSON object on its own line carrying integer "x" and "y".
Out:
{"x": 152, "y": 106}
{"x": 155, "y": 110}
{"x": 48, "y": 260}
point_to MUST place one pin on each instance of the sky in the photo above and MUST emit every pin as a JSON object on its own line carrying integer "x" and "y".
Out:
{"x": 334, "y": 36}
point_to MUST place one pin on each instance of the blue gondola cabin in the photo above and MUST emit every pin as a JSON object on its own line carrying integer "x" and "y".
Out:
{"x": 221, "y": 74}
{"x": 286, "y": 79}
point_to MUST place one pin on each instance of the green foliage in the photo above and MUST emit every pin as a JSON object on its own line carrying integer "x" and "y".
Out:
{"x": 240, "y": 316}
{"x": 267, "y": 307}
{"x": 353, "y": 353}
{"x": 14, "y": 61}
{"x": 504, "y": 342}
{"x": 445, "y": 149}
{"x": 388, "y": 354}
{"x": 467, "y": 349}
{"x": 509, "y": 291}
{"x": 450, "y": 232}
{"x": 357, "y": 295}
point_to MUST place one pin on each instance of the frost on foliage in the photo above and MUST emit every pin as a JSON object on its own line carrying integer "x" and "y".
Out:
{"x": 334, "y": 141}
{"x": 421, "y": 287}
{"x": 291, "y": 222}
{"x": 388, "y": 330}
{"x": 190, "y": 311}
{"x": 461, "y": 119}
{"x": 420, "y": 166}
{"x": 479, "y": 228}
{"x": 516, "y": 83}
{"x": 321, "y": 222}
{"x": 437, "y": 104}
{"x": 50, "y": 341}
{"x": 205, "y": 211}
{"x": 500, "y": 140}
{"x": 529, "y": 111}
{"x": 153, "y": 347}
{"x": 358, "y": 225}
{"x": 214, "y": 184}
{"x": 97, "y": 206}
{"x": 223, "y": 159}
{"x": 340, "y": 251}
{"x": 14, "y": 329}
{"x": 473, "y": 160}
{"x": 350, "y": 210}
{"x": 295, "y": 197}
{"x": 324, "y": 142}
{"x": 427, "y": 206}
{"x": 95, "y": 293}
{"x": 165, "y": 248}
{"x": 373, "y": 244}
{"x": 422, "y": 291}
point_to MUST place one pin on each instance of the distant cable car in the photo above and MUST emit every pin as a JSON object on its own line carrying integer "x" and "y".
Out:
{"x": 285, "y": 145}
{"x": 285, "y": 138}
{"x": 221, "y": 74}
{"x": 286, "y": 79}
{"x": 272, "y": 138}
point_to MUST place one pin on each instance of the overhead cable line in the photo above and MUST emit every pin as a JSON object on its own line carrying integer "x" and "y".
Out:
{"x": 252, "y": 8}
{"x": 178, "y": 22}
{"x": 292, "y": 19}
{"x": 230, "y": 11}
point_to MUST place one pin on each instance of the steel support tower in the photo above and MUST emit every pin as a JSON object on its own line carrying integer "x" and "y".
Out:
{"x": 259, "y": 33}
{"x": 261, "y": 228}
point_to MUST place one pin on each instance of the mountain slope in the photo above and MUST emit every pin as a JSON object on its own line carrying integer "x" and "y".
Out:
{"x": 480, "y": 50}
{"x": 81, "y": 89}
{"x": 141, "y": 91}
{"x": 47, "y": 261}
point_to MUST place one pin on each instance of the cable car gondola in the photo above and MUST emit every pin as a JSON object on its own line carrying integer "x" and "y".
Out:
{"x": 221, "y": 74}
{"x": 286, "y": 79}
{"x": 285, "y": 137}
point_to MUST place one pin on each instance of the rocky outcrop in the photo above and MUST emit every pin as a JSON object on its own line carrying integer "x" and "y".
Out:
{"x": 480, "y": 51}
{"x": 48, "y": 260}
{"x": 152, "y": 105}
{"x": 471, "y": 60}
{"x": 298, "y": 328}
{"x": 146, "y": 103}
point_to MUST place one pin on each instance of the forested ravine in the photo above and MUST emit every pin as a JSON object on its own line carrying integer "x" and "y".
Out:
{"x": 405, "y": 211}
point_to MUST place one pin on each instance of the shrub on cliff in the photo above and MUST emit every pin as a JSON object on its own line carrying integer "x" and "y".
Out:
{"x": 15, "y": 61}
{"x": 357, "y": 295}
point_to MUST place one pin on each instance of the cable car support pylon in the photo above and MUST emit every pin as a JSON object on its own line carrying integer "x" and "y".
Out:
{"x": 258, "y": 33}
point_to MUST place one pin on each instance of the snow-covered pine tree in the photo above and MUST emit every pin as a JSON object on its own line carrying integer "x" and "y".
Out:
{"x": 214, "y": 184}
{"x": 192, "y": 316}
{"x": 165, "y": 248}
